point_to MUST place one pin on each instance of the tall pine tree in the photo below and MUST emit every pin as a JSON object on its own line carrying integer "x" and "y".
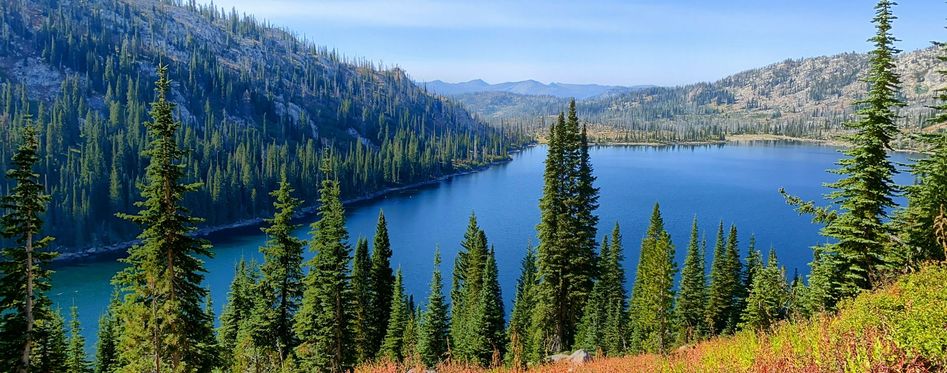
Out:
{"x": 927, "y": 198}
{"x": 521, "y": 316}
{"x": 391, "y": 346}
{"x": 860, "y": 250}
{"x": 488, "y": 341}
{"x": 567, "y": 234}
{"x": 323, "y": 323}
{"x": 76, "y": 361}
{"x": 434, "y": 326}
{"x": 24, "y": 273}
{"x": 692, "y": 297}
{"x": 162, "y": 317}
{"x": 362, "y": 297}
{"x": 281, "y": 273}
{"x": 465, "y": 292}
{"x": 382, "y": 281}
{"x": 652, "y": 299}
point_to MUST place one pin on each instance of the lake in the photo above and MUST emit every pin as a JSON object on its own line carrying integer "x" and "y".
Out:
{"x": 735, "y": 183}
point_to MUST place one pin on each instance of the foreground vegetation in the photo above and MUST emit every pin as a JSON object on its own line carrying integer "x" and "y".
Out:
{"x": 347, "y": 309}
{"x": 899, "y": 328}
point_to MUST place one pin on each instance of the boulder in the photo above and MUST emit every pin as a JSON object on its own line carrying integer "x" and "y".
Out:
{"x": 580, "y": 357}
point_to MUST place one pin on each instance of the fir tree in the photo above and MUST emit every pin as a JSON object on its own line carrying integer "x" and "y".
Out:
{"x": 754, "y": 264}
{"x": 566, "y": 231}
{"x": 49, "y": 354}
{"x": 323, "y": 323}
{"x": 162, "y": 318}
{"x": 106, "y": 355}
{"x": 689, "y": 310}
{"x": 652, "y": 299}
{"x": 614, "y": 279}
{"x": 465, "y": 292}
{"x": 362, "y": 297}
{"x": 927, "y": 197}
{"x": 24, "y": 273}
{"x": 76, "y": 361}
{"x": 860, "y": 248}
{"x": 599, "y": 329}
{"x": 409, "y": 341}
{"x": 391, "y": 346}
{"x": 383, "y": 280}
{"x": 725, "y": 282}
{"x": 281, "y": 271}
{"x": 589, "y": 334}
{"x": 240, "y": 303}
{"x": 768, "y": 296}
{"x": 487, "y": 318}
{"x": 434, "y": 328}
{"x": 520, "y": 317}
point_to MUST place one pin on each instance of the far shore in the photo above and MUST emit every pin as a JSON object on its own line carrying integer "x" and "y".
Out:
{"x": 118, "y": 249}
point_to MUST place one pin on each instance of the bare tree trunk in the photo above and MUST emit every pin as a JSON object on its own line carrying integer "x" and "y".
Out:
{"x": 28, "y": 343}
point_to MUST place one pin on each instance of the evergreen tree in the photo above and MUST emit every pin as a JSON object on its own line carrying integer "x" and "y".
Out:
{"x": 434, "y": 328}
{"x": 735, "y": 271}
{"x": 487, "y": 322}
{"x": 76, "y": 361}
{"x": 281, "y": 271}
{"x": 409, "y": 342}
{"x": 162, "y": 318}
{"x": 49, "y": 354}
{"x": 24, "y": 273}
{"x": 614, "y": 280}
{"x": 362, "y": 297}
{"x": 240, "y": 303}
{"x": 465, "y": 293}
{"x": 106, "y": 355}
{"x": 520, "y": 317}
{"x": 599, "y": 329}
{"x": 927, "y": 197}
{"x": 589, "y": 334}
{"x": 323, "y": 324}
{"x": 383, "y": 280}
{"x": 822, "y": 292}
{"x": 691, "y": 300}
{"x": 768, "y": 296}
{"x": 652, "y": 299}
{"x": 754, "y": 264}
{"x": 860, "y": 249}
{"x": 391, "y": 347}
{"x": 567, "y": 234}
{"x": 725, "y": 282}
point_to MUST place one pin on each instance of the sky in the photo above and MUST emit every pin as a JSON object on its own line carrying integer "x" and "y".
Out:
{"x": 629, "y": 42}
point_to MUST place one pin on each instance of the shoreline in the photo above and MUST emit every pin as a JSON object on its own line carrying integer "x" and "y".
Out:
{"x": 748, "y": 138}
{"x": 118, "y": 250}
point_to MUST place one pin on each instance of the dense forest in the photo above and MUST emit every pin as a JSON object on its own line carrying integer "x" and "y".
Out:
{"x": 346, "y": 308}
{"x": 255, "y": 102}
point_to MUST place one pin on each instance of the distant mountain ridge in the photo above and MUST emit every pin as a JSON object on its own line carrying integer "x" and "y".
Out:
{"x": 807, "y": 97}
{"x": 527, "y": 87}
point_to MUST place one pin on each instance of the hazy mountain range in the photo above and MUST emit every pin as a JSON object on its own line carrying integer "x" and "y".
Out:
{"x": 526, "y": 87}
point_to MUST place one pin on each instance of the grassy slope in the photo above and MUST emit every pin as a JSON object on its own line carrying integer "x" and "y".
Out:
{"x": 901, "y": 328}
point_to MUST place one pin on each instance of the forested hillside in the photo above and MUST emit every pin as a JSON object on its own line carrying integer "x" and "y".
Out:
{"x": 808, "y": 97}
{"x": 255, "y": 101}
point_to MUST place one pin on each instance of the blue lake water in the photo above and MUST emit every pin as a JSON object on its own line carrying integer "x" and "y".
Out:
{"x": 734, "y": 183}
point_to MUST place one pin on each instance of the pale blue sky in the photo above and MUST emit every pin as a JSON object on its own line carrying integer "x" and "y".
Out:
{"x": 608, "y": 42}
